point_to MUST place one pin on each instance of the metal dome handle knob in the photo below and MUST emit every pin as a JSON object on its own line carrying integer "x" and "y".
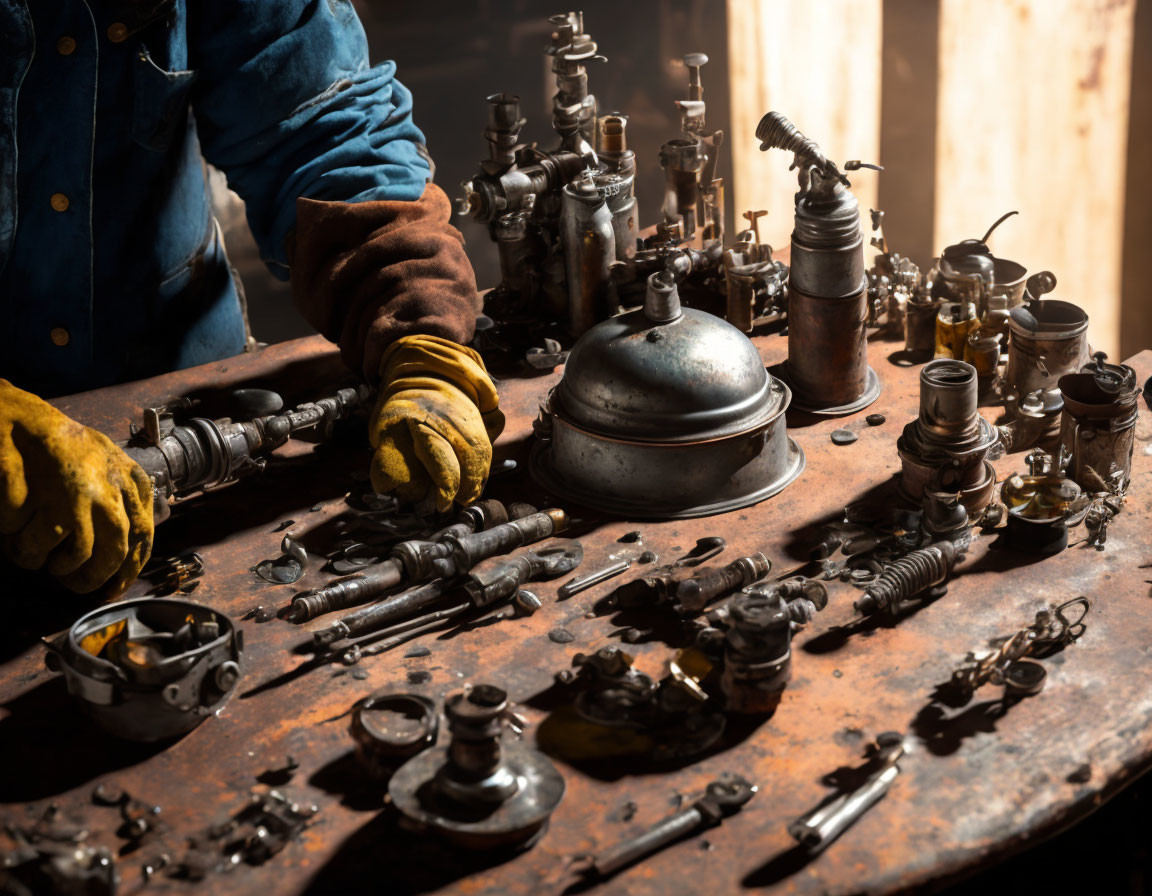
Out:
{"x": 662, "y": 299}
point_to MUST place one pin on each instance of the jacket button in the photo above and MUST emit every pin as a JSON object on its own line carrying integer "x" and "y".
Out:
{"x": 66, "y": 46}
{"x": 117, "y": 31}
{"x": 59, "y": 202}
{"x": 60, "y": 336}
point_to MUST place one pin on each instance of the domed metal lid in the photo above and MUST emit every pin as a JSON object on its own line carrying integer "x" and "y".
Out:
{"x": 665, "y": 373}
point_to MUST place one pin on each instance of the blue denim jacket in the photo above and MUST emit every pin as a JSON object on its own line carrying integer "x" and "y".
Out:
{"x": 111, "y": 267}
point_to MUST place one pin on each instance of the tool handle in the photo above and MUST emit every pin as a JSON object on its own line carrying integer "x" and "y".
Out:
{"x": 465, "y": 552}
{"x": 695, "y": 593}
{"x": 673, "y": 828}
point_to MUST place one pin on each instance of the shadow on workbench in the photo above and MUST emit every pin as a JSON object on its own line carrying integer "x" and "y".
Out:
{"x": 1107, "y": 854}
{"x": 48, "y": 748}
{"x": 384, "y": 858}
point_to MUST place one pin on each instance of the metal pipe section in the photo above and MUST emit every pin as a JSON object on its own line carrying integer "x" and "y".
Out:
{"x": 588, "y": 238}
{"x": 948, "y": 394}
{"x": 827, "y": 364}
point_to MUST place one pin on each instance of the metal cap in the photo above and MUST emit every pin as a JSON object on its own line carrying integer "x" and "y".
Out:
{"x": 654, "y": 375}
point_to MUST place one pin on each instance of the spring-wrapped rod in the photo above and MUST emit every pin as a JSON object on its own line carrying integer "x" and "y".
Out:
{"x": 775, "y": 131}
{"x": 903, "y": 579}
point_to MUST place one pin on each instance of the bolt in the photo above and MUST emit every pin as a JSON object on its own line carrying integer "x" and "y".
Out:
{"x": 527, "y": 603}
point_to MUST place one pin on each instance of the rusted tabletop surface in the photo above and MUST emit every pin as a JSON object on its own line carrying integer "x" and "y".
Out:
{"x": 979, "y": 782}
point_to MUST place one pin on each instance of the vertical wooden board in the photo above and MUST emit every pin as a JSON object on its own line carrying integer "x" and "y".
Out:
{"x": 818, "y": 62}
{"x": 1032, "y": 114}
{"x": 1135, "y": 302}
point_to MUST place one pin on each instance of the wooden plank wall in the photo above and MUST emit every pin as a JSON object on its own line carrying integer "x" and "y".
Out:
{"x": 987, "y": 105}
{"x": 818, "y": 62}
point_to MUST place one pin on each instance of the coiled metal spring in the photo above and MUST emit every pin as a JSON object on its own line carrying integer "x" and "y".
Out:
{"x": 775, "y": 131}
{"x": 903, "y": 579}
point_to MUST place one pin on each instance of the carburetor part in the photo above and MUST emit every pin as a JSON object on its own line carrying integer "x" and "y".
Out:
{"x": 947, "y": 445}
{"x": 922, "y": 571}
{"x": 183, "y": 459}
{"x": 665, "y": 412}
{"x": 415, "y": 562}
{"x": 1099, "y": 424}
{"x": 1048, "y": 338}
{"x": 758, "y": 644}
{"x": 827, "y": 366}
{"x": 40, "y": 865}
{"x": 149, "y": 669}
{"x": 619, "y": 712}
{"x": 1051, "y": 631}
{"x": 390, "y": 728}
{"x": 481, "y": 791}
{"x": 1041, "y": 505}
{"x": 588, "y": 239}
{"x": 694, "y": 593}
{"x": 815, "y": 830}
{"x": 723, "y": 797}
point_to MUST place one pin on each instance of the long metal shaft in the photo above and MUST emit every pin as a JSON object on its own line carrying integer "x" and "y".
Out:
{"x": 379, "y": 614}
{"x": 655, "y": 838}
{"x": 348, "y": 593}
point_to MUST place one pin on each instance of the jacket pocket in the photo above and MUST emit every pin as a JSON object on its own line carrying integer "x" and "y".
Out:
{"x": 160, "y": 102}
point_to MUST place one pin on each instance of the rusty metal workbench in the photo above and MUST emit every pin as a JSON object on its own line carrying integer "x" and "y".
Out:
{"x": 980, "y": 782}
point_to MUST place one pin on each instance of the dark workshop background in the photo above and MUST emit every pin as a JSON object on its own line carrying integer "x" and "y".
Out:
{"x": 454, "y": 53}
{"x": 975, "y": 107}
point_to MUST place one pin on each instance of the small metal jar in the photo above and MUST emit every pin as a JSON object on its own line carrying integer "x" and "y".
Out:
{"x": 1008, "y": 278}
{"x": 1048, "y": 340}
{"x": 946, "y": 446}
{"x": 1098, "y": 426}
{"x": 665, "y": 412}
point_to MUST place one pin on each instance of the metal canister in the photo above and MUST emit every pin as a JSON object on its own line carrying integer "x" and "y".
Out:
{"x": 682, "y": 161}
{"x": 1008, "y": 279}
{"x": 827, "y": 365}
{"x": 946, "y": 446}
{"x": 1048, "y": 340}
{"x": 920, "y": 323}
{"x": 589, "y": 242}
{"x": 617, "y": 159}
{"x": 1098, "y": 426}
{"x": 741, "y": 281}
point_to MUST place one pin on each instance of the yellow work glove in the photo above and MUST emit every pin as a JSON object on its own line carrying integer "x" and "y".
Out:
{"x": 71, "y": 502}
{"x": 434, "y": 422}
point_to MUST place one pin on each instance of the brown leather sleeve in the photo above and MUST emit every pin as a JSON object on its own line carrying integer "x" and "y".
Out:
{"x": 367, "y": 273}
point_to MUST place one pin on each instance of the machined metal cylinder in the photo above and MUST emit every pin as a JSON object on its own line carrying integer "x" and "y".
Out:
{"x": 1098, "y": 428}
{"x": 681, "y": 160}
{"x": 920, "y": 325}
{"x": 740, "y": 281}
{"x": 475, "y": 770}
{"x": 1048, "y": 340}
{"x": 827, "y": 351}
{"x": 946, "y": 446}
{"x": 503, "y": 131}
{"x": 616, "y": 158}
{"x": 757, "y": 652}
{"x": 589, "y": 242}
{"x": 948, "y": 395}
{"x": 827, "y": 365}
